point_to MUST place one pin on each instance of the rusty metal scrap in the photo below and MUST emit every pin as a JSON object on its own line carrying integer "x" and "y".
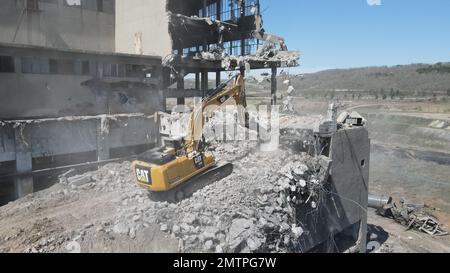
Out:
{"x": 412, "y": 217}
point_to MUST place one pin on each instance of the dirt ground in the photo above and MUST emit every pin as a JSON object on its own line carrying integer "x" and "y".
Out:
{"x": 62, "y": 219}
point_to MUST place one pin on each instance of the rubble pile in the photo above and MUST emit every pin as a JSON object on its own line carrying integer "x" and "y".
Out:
{"x": 109, "y": 178}
{"x": 252, "y": 210}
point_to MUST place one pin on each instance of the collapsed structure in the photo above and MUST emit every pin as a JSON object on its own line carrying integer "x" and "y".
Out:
{"x": 53, "y": 68}
{"x": 201, "y": 38}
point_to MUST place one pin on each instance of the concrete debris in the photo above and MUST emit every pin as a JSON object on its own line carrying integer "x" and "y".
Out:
{"x": 164, "y": 227}
{"x": 208, "y": 245}
{"x": 190, "y": 219}
{"x": 290, "y": 89}
{"x": 121, "y": 228}
{"x": 342, "y": 117}
{"x": 351, "y": 119}
{"x": 63, "y": 177}
{"x": 214, "y": 55}
{"x": 266, "y": 54}
{"x": 288, "y": 101}
{"x": 297, "y": 231}
{"x": 256, "y": 216}
{"x": 219, "y": 249}
{"x": 288, "y": 105}
{"x": 79, "y": 180}
{"x": 439, "y": 124}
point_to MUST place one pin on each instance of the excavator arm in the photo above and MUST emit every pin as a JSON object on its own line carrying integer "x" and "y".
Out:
{"x": 229, "y": 93}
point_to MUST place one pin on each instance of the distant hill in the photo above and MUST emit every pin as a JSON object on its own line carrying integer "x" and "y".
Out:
{"x": 415, "y": 79}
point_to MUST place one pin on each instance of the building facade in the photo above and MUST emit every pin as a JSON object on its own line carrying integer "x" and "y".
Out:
{"x": 62, "y": 24}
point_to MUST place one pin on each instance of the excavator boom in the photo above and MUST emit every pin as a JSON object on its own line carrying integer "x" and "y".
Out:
{"x": 229, "y": 93}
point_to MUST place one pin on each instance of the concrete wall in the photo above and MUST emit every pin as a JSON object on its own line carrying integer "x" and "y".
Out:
{"x": 21, "y": 145}
{"x": 39, "y": 96}
{"x": 47, "y": 83}
{"x": 344, "y": 204}
{"x": 56, "y": 25}
{"x": 142, "y": 27}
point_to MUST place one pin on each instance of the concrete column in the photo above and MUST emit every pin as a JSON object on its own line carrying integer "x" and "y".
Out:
{"x": 23, "y": 185}
{"x": 103, "y": 127}
{"x": 180, "y": 86}
{"x": 165, "y": 83}
{"x": 274, "y": 86}
{"x": 218, "y": 80}
{"x": 165, "y": 78}
{"x": 18, "y": 65}
{"x": 204, "y": 82}
{"x": 197, "y": 81}
{"x": 99, "y": 69}
{"x": 159, "y": 73}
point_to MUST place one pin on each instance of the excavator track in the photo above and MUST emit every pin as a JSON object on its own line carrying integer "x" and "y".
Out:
{"x": 198, "y": 182}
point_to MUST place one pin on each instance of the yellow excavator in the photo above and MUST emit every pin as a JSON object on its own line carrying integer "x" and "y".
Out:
{"x": 176, "y": 171}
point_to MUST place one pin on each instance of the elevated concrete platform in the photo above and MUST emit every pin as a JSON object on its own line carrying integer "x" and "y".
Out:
{"x": 24, "y": 142}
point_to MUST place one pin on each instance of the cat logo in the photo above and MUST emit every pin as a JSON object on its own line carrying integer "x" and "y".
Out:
{"x": 143, "y": 174}
{"x": 198, "y": 161}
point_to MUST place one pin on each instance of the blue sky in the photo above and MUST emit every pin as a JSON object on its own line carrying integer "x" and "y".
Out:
{"x": 352, "y": 33}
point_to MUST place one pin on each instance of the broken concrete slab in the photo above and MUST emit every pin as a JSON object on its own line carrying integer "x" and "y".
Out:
{"x": 79, "y": 180}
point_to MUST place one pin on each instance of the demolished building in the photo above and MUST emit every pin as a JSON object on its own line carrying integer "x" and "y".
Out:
{"x": 201, "y": 38}
{"x": 53, "y": 69}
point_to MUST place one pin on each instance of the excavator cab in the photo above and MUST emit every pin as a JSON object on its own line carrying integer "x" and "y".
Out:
{"x": 175, "y": 146}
